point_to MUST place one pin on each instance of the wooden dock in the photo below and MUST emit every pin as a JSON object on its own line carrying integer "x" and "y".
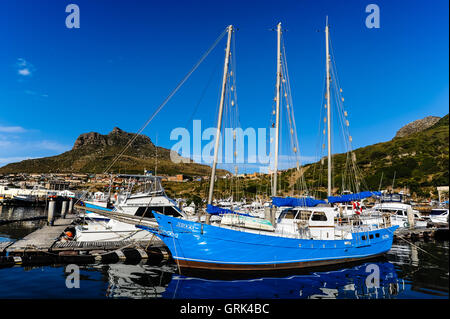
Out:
{"x": 4, "y": 245}
{"x": 44, "y": 247}
{"x": 42, "y": 239}
{"x": 421, "y": 233}
{"x": 9, "y": 221}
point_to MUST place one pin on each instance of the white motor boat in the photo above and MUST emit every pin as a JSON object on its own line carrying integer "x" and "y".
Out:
{"x": 398, "y": 210}
{"x": 439, "y": 215}
{"x": 148, "y": 198}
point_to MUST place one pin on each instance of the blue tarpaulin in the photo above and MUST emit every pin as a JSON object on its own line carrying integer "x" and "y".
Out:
{"x": 295, "y": 202}
{"x": 214, "y": 210}
{"x": 352, "y": 197}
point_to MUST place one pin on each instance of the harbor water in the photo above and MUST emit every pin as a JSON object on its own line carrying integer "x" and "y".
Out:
{"x": 418, "y": 271}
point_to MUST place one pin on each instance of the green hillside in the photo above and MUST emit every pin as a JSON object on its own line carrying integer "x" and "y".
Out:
{"x": 419, "y": 162}
{"x": 93, "y": 153}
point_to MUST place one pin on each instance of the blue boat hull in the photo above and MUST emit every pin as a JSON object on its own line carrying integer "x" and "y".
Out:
{"x": 97, "y": 217}
{"x": 202, "y": 246}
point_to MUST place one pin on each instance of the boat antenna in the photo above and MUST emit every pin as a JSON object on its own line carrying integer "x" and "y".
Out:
{"x": 381, "y": 180}
{"x": 156, "y": 155}
{"x": 393, "y": 182}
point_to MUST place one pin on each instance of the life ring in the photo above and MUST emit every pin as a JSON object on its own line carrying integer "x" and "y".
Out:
{"x": 405, "y": 224}
{"x": 357, "y": 207}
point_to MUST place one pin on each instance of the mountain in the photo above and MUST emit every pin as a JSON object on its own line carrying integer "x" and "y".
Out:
{"x": 418, "y": 157}
{"x": 93, "y": 152}
{"x": 417, "y": 126}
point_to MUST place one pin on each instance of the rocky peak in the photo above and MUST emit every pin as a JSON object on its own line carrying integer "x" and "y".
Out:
{"x": 417, "y": 126}
{"x": 116, "y": 137}
{"x": 117, "y": 130}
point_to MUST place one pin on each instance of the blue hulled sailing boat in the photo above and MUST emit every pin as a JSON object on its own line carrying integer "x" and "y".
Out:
{"x": 296, "y": 239}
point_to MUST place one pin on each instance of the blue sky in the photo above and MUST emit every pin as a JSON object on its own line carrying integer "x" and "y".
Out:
{"x": 56, "y": 83}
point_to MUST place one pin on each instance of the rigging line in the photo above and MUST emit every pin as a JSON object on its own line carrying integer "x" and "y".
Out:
{"x": 203, "y": 93}
{"x": 358, "y": 174}
{"x": 203, "y": 57}
{"x": 401, "y": 237}
{"x": 321, "y": 139}
{"x": 348, "y": 144}
{"x": 289, "y": 100}
{"x": 186, "y": 77}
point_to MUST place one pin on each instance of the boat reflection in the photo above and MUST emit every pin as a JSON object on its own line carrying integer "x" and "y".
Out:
{"x": 355, "y": 282}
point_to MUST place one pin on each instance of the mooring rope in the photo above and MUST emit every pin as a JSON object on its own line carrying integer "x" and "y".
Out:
{"x": 401, "y": 237}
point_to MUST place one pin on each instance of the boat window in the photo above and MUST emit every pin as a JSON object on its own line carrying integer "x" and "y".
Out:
{"x": 400, "y": 212}
{"x": 304, "y": 215}
{"x": 377, "y": 235}
{"x": 370, "y": 236}
{"x": 290, "y": 214}
{"x": 319, "y": 216}
{"x": 363, "y": 237}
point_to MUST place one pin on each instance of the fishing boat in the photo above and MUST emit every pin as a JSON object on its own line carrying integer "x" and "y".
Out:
{"x": 147, "y": 198}
{"x": 239, "y": 242}
{"x": 439, "y": 215}
{"x": 397, "y": 208}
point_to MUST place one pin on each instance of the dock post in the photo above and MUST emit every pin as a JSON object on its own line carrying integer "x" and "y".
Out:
{"x": 410, "y": 213}
{"x": 270, "y": 214}
{"x": 71, "y": 206}
{"x": 51, "y": 212}
{"x": 267, "y": 213}
{"x": 64, "y": 209}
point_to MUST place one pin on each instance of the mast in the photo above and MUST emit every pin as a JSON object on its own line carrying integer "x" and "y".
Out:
{"x": 219, "y": 120}
{"x": 328, "y": 106}
{"x": 156, "y": 157}
{"x": 277, "y": 121}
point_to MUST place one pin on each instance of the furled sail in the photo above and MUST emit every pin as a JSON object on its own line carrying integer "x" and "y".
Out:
{"x": 352, "y": 197}
{"x": 295, "y": 202}
{"x": 214, "y": 210}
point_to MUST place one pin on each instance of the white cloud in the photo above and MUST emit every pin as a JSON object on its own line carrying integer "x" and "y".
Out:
{"x": 34, "y": 93}
{"x": 12, "y": 129}
{"x": 53, "y": 146}
{"x": 18, "y": 143}
{"x": 24, "y": 72}
{"x": 24, "y": 68}
{"x": 6, "y": 160}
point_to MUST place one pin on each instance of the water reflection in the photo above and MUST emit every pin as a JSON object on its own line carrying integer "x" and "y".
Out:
{"x": 407, "y": 271}
{"x": 137, "y": 281}
{"x": 424, "y": 266}
{"x": 18, "y": 230}
{"x": 144, "y": 281}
